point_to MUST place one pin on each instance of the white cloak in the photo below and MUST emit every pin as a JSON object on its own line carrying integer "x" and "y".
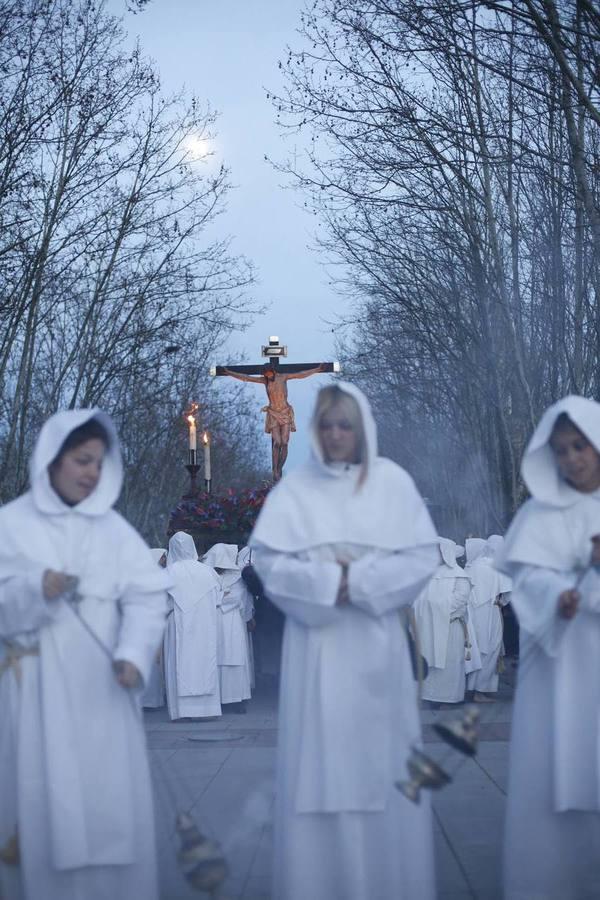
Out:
{"x": 485, "y": 601}
{"x": 441, "y": 614}
{"x": 552, "y": 838}
{"x": 348, "y": 707}
{"x": 232, "y": 642}
{"x": 190, "y": 646}
{"x": 74, "y": 777}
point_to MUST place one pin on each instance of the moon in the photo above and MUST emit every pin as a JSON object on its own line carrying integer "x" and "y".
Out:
{"x": 196, "y": 147}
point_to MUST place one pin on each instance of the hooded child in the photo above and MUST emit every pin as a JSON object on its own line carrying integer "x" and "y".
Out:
{"x": 344, "y": 545}
{"x": 552, "y": 838}
{"x": 190, "y": 646}
{"x": 442, "y": 617}
{"x": 76, "y": 814}
{"x": 488, "y": 595}
{"x": 232, "y": 654}
{"x": 154, "y": 695}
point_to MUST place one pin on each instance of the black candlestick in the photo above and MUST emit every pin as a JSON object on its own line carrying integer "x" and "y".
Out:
{"x": 193, "y": 469}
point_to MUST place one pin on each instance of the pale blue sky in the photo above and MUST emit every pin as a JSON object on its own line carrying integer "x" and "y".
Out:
{"x": 227, "y": 52}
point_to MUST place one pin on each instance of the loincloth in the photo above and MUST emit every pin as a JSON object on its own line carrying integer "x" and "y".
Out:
{"x": 279, "y": 418}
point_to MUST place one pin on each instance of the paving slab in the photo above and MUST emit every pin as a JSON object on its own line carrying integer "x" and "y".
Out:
{"x": 226, "y": 780}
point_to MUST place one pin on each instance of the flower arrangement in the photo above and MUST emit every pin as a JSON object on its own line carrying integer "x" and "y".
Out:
{"x": 232, "y": 512}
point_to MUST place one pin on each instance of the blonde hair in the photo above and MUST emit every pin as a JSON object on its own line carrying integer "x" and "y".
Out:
{"x": 333, "y": 397}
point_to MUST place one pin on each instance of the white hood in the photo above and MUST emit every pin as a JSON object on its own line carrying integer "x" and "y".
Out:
{"x": 50, "y": 439}
{"x": 181, "y": 547}
{"x": 157, "y": 553}
{"x": 450, "y": 552}
{"x": 222, "y": 556}
{"x": 495, "y": 542}
{"x": 553, "y": 529}
{"x": 191, "y": 580}
{"x": 539, "y": 469}
{"x": 369, "y": 428}
{"x": 320, "y": 504}
{"x": 475, "y": 547}
{"x": 244, "y": 557}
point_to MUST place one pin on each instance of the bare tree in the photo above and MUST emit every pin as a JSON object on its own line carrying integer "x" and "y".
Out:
{"x": 112, "y": 291}
{"x": 445, "y": 166}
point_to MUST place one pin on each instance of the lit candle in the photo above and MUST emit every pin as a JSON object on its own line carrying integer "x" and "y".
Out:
{"x": 192, "y": 421}
{"x": 206, "y": 442}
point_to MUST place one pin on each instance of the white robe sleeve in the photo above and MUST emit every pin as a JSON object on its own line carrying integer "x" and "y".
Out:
{"x": 590, "y": 591}
{"x": 378, "y": 584}
{"x": 231, "y": 598}
{"x": 460, "y": 598}
{"x": 23, "y": 606}
{"x": 302, "y": 589}
{"x": 142, "y": 626}
{"x": 535, "y": 601}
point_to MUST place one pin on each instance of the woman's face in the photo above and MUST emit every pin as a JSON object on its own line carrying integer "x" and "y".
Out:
{"x": 578, "y": 461}
{"x": 77, "y": 473}
{"x": 339, "y": 440}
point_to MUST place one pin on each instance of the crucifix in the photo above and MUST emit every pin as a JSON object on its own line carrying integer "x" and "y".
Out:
{"x": 279, "y": 421}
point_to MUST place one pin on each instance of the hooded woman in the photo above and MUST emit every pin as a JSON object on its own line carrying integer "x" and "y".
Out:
{"x": 343, "y": 545}
{"x": 82, "y": 608}
{"x": 191, "y": 673}
{"x": 553, "y": 811}
{"x": 232, "y": 652}
{"x": 442, "y": 618}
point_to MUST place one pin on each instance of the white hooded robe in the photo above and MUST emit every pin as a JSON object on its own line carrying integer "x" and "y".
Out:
{"x": 74, "y": 776}
{"x": 485, "y": 601}
{"x": 190, "y": 647}
{"x": 442, "y": 618}
{"x": 348, "y": 700}
{"x": 232, "y": 652}
{"x": 552, "y": 841}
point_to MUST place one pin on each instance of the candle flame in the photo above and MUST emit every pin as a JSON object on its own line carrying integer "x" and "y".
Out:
{"x": 191, "y": 420}
{"x": 205, "y": 438}
{"x": 190, "y": 414}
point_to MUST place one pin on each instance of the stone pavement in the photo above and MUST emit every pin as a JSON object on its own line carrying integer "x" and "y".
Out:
{"x": 226, "y": 779}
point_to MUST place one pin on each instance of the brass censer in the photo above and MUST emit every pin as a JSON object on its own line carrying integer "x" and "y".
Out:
{"x": 424, "y": 773}
{"x": 201, "y": 859}
{"x": 461, "y": 734}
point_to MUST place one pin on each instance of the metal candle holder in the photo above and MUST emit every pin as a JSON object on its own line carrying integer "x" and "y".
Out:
{"x": 193, "y": 469}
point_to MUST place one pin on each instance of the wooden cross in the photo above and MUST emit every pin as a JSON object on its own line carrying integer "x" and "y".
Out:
{"x": 273, "y": 375}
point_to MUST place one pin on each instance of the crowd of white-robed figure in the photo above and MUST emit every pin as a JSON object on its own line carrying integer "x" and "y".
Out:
{"x": 205, "y": 665}
{"x": 345, "y": 547}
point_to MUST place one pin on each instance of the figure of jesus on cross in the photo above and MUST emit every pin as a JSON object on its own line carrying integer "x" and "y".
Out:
{"x": 279, "y": 421}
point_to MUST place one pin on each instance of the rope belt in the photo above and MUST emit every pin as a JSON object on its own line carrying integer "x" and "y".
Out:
{"x": 14, "y": 655}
